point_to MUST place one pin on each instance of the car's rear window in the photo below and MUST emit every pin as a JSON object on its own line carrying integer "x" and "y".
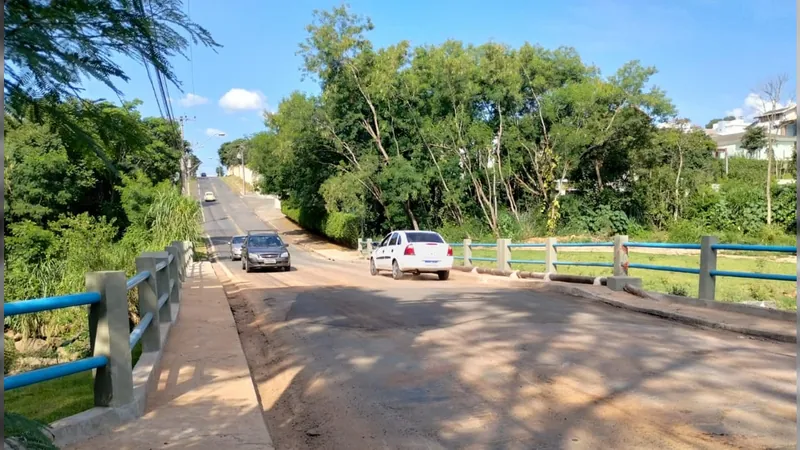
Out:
{"x": 424, "y": 236}
{"x": 238, "y": 240}
{"x": 264, "y": 241}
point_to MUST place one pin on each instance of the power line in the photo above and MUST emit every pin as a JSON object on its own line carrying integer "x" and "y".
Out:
{"x": 191, "y": 45}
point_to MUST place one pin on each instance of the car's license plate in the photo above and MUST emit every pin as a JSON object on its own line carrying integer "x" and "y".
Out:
{"x": 431, "y": 262}
{"x": 269, "y": 261}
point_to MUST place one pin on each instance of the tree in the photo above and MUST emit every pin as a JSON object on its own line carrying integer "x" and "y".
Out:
{"x": 772, "y": 91}
{"x": 753, "y": 140}
{"x": 51, "y": 46}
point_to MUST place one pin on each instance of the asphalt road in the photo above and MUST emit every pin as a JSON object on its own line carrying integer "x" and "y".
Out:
{"x": 344, "y": 360}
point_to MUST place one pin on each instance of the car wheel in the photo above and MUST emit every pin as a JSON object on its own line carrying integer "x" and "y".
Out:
{"x": 397, "y": 274}
{"x": 373, "y": 270}
{"x": 247, "y": 267}
{"x": 443, "y": 274}
{"x": 287, "y": 268}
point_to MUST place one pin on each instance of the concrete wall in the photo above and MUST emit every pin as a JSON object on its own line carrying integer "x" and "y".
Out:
{"x": 249, "y": 175}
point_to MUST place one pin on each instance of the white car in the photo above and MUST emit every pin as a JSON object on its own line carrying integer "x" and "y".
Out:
{"x": 412, "y": 252}
{"x": 209, "y": 197}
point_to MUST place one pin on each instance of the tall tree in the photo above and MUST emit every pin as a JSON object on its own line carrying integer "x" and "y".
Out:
{"x": 772, "y": 93}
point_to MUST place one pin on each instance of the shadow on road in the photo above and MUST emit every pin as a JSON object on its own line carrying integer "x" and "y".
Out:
{"x": 341, "y": 367}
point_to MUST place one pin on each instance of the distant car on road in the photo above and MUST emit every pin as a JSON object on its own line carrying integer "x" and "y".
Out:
{"x": 203, "y": 175}
{"x": 209, "y": 197}
{"x": 412, "y": 252}
{"x": 236, "y": 247}
{"x": 265, "y": 249}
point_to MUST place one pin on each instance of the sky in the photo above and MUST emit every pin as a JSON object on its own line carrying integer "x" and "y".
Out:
{"x": 712, "y": 55}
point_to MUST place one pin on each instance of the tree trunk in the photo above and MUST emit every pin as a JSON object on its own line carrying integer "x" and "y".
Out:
{"x": 597, "y": 165}
{"x": 769, "y": 183}
{"x": 411, "y": 215}
{"x": 678, "y": 184}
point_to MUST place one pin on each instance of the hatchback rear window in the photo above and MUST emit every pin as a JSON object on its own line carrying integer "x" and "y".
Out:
{"x": 238, "y": 239}
{"x": 424, "y": 236}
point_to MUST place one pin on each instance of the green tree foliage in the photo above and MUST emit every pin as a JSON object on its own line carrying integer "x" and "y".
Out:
{"x": 754, "y": 139}
{"x": 475, "y": 138}
{"x": 51, "y": 46}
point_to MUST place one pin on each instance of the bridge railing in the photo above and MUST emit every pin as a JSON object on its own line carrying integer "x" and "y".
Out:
{"x": 619, "y": 265}
{"x": 158, "y": 284}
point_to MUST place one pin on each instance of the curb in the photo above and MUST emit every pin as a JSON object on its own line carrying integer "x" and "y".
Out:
{"x": 561, "y": 288}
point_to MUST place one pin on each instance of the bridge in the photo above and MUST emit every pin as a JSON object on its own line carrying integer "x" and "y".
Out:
{"x": 326, "y": 356}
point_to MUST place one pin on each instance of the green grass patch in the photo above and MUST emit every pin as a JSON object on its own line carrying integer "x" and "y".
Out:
{"x": 783, "y": 293}
{"x": 59, "y": 398}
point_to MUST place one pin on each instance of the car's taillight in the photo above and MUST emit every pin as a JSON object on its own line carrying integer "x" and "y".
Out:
{"x": 449, "y": 251}
{"x": 409, "y": 250}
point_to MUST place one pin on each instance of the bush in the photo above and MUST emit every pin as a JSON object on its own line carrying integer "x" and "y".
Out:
{"x": 340, "y": 227}
{"x": 53, "y": 261}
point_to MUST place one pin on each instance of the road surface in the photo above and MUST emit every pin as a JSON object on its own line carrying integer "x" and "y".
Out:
{"x": 343, "y": 360}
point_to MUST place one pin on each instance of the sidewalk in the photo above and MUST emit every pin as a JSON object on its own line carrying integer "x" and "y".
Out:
{"x": 705, "y": 317}
{"x": 204, "y": 397}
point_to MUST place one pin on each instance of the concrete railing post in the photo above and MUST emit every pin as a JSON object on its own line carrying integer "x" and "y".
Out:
{"x": 708, "y": 263}
{"x": 503, "y": 254}
{"x": 181, "y": 262}
{"x": 148, "y": 303}
{"x": 620, "y": 256}
{"x": 358, "y": 245}
{"x": 174, "y": 276}
{"x": 467, "y": 252}
{"x": 369, "y": 246}
{"x": 550, "y": 256}
{"x": 109, "y": 335}
{"x": 162, "y": 283}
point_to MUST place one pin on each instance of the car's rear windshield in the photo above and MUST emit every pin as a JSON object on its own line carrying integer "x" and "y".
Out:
{"x": 424, "y": 236}
{"x": 238, "y": 239}
{"x": 264, "y": 241}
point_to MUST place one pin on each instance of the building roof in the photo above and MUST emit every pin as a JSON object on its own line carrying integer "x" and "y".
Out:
{"x": 777, "y": 111}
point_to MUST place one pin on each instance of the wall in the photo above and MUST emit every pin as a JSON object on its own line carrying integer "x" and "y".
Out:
{"x": 249, "y": 175}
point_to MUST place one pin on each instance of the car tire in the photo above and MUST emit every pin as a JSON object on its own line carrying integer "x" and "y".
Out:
{"x": 287, "y": 268}
{"x": 397, "y": 274}
{"x": 373, "y": 269}
{"x": 443, "y": 274}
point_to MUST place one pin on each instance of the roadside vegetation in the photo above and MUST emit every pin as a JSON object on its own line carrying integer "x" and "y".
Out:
{"x": 472, "y": 140}
{"x": 88, "y": 184}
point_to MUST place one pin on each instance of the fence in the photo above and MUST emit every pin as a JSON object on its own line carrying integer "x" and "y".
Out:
{"x": 707, "y": 270}
{"x": 158, "y": 282}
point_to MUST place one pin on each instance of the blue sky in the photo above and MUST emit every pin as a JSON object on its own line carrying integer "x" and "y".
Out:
{"x": 710, "y": 53}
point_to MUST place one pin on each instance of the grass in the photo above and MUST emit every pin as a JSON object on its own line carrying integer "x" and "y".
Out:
{"x": 235, "y": 183}
{"x": 783, "y": 293}
{"x": 59, "y": 398}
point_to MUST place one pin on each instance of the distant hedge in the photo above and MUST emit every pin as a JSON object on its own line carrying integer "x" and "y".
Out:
{"x": 342, "y": 228}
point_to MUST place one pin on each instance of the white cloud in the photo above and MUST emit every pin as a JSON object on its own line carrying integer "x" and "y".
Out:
{"x": 242, "y": 100}
{"x": 753, "y": 105}
{"x": 190, "y": 100}
{"x": 214, "y": 132}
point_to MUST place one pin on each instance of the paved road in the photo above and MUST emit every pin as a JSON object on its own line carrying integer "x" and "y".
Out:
{"x": 344, "y": 360}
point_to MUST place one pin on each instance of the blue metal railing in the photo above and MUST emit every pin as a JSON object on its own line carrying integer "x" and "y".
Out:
{"x": 67, "y": 301}
{"x": 663, "y": 245}
{"x": 49, "y": 303}
{"x": 663, "y": 268}
{"x": 52, "y": 372}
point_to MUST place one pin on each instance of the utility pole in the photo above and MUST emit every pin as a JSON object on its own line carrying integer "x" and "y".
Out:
{"x": 241, "y": 156}
{"x": 184, "y": 161}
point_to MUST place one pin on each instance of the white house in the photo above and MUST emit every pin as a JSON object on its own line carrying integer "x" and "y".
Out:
{"x": 250, "y": 176}
{"x": 728, "y": 134}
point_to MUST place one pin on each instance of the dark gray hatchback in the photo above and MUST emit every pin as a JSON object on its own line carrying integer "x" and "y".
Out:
{"x": 263, "y": 250}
